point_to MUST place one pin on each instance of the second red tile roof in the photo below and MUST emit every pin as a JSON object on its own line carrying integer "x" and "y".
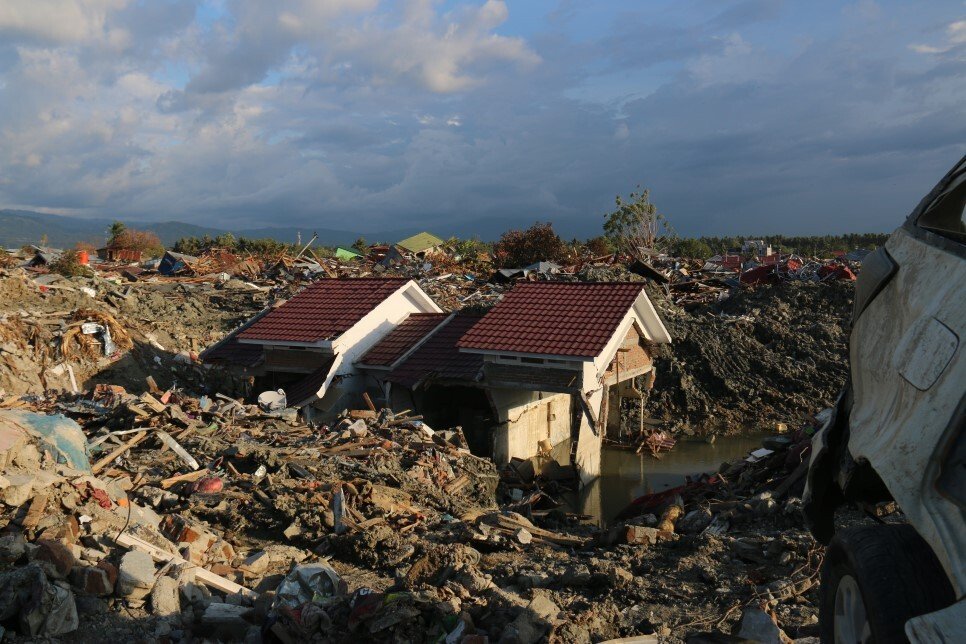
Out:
{"x": 439, "y": 357}
{"x": 323, "y": 310}
{"x": 554, "y": 318}
{"x": 401, "y": 339}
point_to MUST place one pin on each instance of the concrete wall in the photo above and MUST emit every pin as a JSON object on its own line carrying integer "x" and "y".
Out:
{"x": 590, "y": 440}
{"x": 525, "y": 418}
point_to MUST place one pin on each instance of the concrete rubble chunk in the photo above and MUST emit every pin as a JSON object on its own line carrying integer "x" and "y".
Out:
{"x": 135, "y": 577}
{"x": 19, "y": 489}
{"x": 165, "y": 597}
{"x": 757, "y": 626}
{"x": 257, "y": 563}
{"x": 226, "y": 621}
{"x": 93, "y": 580}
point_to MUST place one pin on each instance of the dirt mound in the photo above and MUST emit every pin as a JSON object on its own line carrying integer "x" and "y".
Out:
{"x": 765, "y": 355}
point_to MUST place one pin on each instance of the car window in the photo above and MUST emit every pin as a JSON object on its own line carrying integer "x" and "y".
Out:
{"x": 944, "y": 216}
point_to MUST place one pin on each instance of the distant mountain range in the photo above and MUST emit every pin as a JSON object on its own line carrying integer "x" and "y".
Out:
{"x": 20, "y": 227}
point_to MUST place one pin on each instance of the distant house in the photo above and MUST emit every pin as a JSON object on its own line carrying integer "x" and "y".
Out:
{"x": 421, "y": 244}
{"x": 346, "y": 255}
{"x": 723, "y": 264}
{"x": 44, "y": 256}
{"x": 173, "y": 262}
{"x": 116, "y": 253}
{"x": 415, "y": 247}
{"x": 757, "y": 247}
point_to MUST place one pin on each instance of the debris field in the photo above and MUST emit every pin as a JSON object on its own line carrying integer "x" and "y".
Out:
{"x": 145, "y": 498}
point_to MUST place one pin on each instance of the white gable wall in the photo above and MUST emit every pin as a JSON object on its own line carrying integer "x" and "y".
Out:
{"x": 373, "y": 327}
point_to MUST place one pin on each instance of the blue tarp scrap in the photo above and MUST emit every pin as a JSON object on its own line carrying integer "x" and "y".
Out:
{"x": 57, "y": 434}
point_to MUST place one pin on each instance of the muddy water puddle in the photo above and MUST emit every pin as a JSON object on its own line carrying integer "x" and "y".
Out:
{"x": 626, "y": 475}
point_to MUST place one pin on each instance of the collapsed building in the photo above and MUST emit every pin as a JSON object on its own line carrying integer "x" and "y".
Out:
{"x": 542, "y": 372}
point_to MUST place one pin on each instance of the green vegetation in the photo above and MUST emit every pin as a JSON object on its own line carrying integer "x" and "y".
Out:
{"x": 142, "y": 240}
{"x": 68, "y": 265}
{"x": 467, "y": 248}
{"x": 692, "y": 248}
{"x": 819, "y": 245}
{"x": 227, "y": 241}
{"x": 636, "y": 228}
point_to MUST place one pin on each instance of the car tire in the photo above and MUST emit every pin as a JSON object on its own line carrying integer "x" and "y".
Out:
{"x": 874, "y": 579}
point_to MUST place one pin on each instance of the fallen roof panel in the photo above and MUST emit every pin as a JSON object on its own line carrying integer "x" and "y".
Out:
{"x": 305, "y": 390}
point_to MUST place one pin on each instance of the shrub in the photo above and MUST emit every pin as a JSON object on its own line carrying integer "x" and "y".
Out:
{"x": 68, "y": 265}
{"x": 535, "y": 244}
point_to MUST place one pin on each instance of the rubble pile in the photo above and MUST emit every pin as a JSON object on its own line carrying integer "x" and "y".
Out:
{"x": 141, "y": 500}
{"x": 69, "y": 334}
{"x": 200, "y": 516}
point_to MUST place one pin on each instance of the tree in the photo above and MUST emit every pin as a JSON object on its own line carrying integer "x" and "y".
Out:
{"x": 692, "y": 248}
{"x": 142, "y": 240}
{"x": 599, "y": 246}
{"x": 226, "y": 241}
{"x": 466, "y": 249}
{"x": 636, "y": 228}
{"x": 538, "y": 243}
{"x": 117, "y": 229}
{"x": 361, "y": 245}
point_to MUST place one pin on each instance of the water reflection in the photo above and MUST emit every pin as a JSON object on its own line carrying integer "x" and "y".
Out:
{"x": 626, "y": 475}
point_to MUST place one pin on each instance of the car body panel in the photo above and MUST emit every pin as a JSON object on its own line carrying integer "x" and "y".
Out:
{"x": 907, "y": 380}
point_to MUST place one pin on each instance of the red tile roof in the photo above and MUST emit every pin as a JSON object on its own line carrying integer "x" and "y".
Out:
{"x": 303, "y": 391}
{"x": 554, "y": 318}
{"x": 401, "y": 339}
{"x": 323, "y": 310}
{"x": 439, "y": 356}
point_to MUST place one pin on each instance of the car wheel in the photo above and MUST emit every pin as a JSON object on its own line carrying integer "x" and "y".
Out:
{"x": 876, "y": 578}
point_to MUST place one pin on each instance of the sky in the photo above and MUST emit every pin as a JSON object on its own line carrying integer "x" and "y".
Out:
{"x": 740, "y": 117}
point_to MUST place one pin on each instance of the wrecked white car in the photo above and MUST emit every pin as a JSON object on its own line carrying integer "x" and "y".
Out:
{"x": 896, "y": 434}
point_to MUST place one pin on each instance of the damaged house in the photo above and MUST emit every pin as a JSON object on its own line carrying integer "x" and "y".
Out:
{"x": 542, "y": 372}
{"x": 308, "y": 345}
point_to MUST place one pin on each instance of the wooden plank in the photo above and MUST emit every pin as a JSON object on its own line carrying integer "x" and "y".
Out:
{"x": 365, "y": 396}
{"x": 107, "y": 460}
{"x": 190, "y": 476}
{"x": 554, "y": 537}
{"x": 209, "y": 578}
{"x": 355, "y": 445}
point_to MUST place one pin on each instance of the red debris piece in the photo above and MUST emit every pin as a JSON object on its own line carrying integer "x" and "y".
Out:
{"x": 208, "y": 485}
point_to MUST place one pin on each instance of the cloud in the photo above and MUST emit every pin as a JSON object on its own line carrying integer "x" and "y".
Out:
{"x": 376, "y": 115}
{"x": 955, "y": 39}
{"x": 58, "y": 21}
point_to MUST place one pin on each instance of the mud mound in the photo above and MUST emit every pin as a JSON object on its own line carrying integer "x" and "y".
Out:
{"x": 765, "y": 355}
{"x": 154, "y": 326}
